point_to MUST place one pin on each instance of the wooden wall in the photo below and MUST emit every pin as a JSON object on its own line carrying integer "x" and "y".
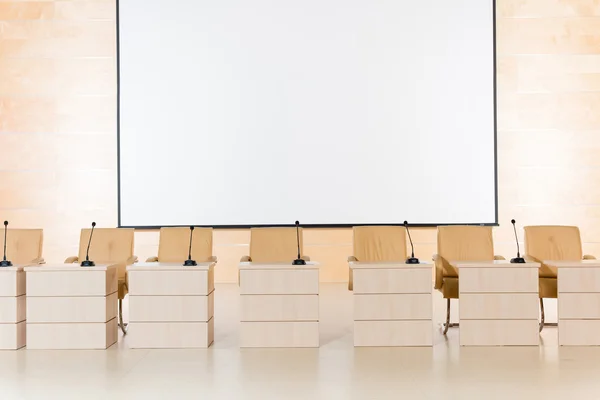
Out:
{"x": 58, "y": 127}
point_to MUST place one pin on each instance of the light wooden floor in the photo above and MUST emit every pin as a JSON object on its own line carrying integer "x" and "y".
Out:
{"x": 335, "y": 371}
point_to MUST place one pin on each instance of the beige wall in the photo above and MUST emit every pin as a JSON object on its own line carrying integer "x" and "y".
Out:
{"x": 58, "y": 127}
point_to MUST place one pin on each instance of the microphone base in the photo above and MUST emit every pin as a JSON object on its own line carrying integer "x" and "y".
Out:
{"x": 87, "y": 263}
{"x": 190, "y": 263}
{"x": 517, "y": 260}
{"x": 412, "y": 260}
{"x": 5, "y": 263}
{"x": 299, "y": 261}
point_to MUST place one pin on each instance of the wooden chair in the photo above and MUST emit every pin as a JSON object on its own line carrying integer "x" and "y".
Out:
{"x": 552, "y": 243}
{"x": 110, "y": 246}
{"x": 459, "y": 243}
{"x": 24, "y": 246}
{"x": 173, "y": 245}
{"x": 377, "y": 243}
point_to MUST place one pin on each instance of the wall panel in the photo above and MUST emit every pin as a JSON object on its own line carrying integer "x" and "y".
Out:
{"x": 58, "y": 128}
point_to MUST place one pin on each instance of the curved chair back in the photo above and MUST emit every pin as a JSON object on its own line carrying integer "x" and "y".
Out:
{"x": 23, "y": 246}
{"x": 464, "y": 243}
{"x": 174, "y": 244}
{"x": 553, "y": 242}
{"x": 379, "y": 243}
{"x": 274, "y": 244}
{"x": 109, "y": 245}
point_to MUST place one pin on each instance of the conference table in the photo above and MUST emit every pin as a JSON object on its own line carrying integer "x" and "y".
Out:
{"x": 66, "y": 306}
{"x": 392, "y": 304}
{"x": 279, "y": 304}
{"x": 171, "y": 305}
{"x": 498, "y": 303}
{"x": 71, "y": 307}
{"x": 578, "y": 302}
{"x": 12, "y": 307}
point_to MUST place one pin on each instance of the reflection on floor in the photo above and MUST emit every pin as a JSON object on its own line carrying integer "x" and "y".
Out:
{"x": 335, "y": 371}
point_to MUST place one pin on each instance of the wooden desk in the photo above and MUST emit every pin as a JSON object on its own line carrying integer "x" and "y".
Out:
{"x": 71, "y": 307}
{"x": 12, "y": 307}
{"x": 392, "y": 304}
{"x": 498, "y": 303}
{"x": 578, "y": 302}
{"x": 279, "y": 305}
{"x": 170, "y": 305}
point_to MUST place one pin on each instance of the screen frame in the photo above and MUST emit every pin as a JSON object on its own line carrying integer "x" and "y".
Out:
{"x": 323, "y": 226}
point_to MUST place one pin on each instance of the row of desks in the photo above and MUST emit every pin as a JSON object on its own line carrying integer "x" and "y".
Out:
{"x": 66, "y": 306}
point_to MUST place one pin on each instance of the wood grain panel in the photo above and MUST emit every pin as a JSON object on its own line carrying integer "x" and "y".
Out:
{"x": 566, "y": 111}
{"x": 33, "y": 33}
{"x": 578, "y": 332}
{"x": 171, "y": 308}
{"x": 578, "y": 280}
{"x": 393, "y": 333}
{"x": 279, "y": 281}
{"x": 558, "y": 73}
{"x": 565, "y": 149}
{"x": 381, "y": 281}
{"x": 80, "y": 336}
{"x": 333, "y": 260}
{"x": 499, "y": 306}
{"x": 503, "y": 279}
{"x": 58, "y": 115}
{"x": 327, "y": 236}
{"x": 224, "y": 237}
{"x": 26, "y": 10}
{"x": 547, "y": 8}
{"x": 71, "y": 309}
{"x": 499, "y": 332}
{"x": 58, "y": 77}
{"x": 576, "y": 35}
{"x": 58, "y": 74}
{"x": 579, "y": 306}
{"x": 381, "y": 307}
{"x": 161, "y": 335}
{"x": 228, "y": 258}
{"x": 279, "y": 308}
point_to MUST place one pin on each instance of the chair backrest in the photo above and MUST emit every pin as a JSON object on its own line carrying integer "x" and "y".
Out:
{"x": 274, "y": 244}
{"x": 109, "y": 245}
{"x": 23, "y": 245}
{"x": 174, "y": 244}
{"x": 464, "y": 243}
{"x": 379, "y": 243}
{"x": 548, "y": 242}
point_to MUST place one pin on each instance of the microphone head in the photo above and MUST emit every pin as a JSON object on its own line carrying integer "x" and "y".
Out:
{"x": 5, "y": 223}
{"x": 191, "y": 228}
{"x": 405, "y": 223}
{"x": 512, "y": 221}
{"x": 93, "y": 224}
{"x": 297, "y": 223}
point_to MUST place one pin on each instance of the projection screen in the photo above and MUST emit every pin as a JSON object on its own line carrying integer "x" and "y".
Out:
{"x": 331, "y": 112}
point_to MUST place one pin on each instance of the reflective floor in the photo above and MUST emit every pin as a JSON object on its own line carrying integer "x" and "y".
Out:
{"x": 335, "y": 371}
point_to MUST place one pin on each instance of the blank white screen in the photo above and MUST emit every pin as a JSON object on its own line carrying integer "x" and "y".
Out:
{"x": 250, "y": 112}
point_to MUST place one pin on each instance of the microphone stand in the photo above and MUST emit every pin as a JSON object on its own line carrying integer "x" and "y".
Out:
{"x": 298, "y": 261}
{"x": 411, "y": 259}
{"x": 87, "y": 262}
{"x": 189, "y": 262}
{"x": 518, "y": 259}
{"x": 5, "y": 262}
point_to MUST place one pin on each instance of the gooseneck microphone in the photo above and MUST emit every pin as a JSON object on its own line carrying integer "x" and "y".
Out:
{"x": 411, "y": 259}
{"x": 298, "y": 261}
{"x": 189, "y": 262}
{"x": 518, "y": 259}
{"x": 87, "y": 262}
{"x": 5, "y": 262}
